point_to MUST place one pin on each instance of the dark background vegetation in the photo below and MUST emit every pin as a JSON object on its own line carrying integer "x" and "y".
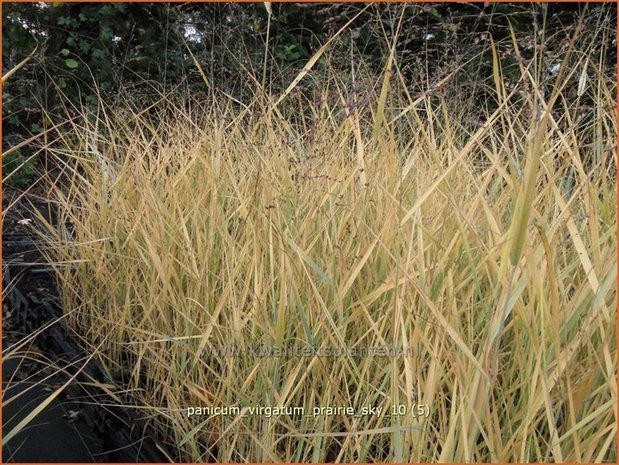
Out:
{"x": 89, "y": 51}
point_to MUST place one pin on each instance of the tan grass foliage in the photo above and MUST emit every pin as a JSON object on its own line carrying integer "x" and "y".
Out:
{"x": 189, "y": 231}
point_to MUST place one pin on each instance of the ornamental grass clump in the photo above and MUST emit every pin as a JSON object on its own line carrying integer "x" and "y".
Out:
{"x": 451, "y": 266}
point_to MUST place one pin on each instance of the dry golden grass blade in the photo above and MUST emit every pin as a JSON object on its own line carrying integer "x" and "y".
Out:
{"x": 382, "y": 100}
{"x": 16, "y": 68}
{"x": 583, "y": 254}
{"x": 43, "y": 404}
{"x": 555, "y": 316}
{"x": 524, "y": 203}
{"x": 245, "y": 228}
{"x": 196, "y": 62}
{"x": 353, "y": 115}
{"x": 471, "y": 143}
{"x": 314, "y": 59}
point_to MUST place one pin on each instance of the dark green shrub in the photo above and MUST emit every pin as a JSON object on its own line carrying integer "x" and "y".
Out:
{"x": 21, "y": 170}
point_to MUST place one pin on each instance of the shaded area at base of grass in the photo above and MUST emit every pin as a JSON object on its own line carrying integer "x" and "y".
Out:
{"x": 56, "y": 435}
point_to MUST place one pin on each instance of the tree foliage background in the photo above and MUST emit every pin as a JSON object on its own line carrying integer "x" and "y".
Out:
{"x": 87, "y": 51}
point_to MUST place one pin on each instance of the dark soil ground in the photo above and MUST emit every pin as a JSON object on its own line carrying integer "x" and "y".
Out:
{"x": 29, "y": 377}
{"x": 40, "y": 357}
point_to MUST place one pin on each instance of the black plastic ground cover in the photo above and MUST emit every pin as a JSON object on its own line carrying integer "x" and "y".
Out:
{"x": 124, "y": 437}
